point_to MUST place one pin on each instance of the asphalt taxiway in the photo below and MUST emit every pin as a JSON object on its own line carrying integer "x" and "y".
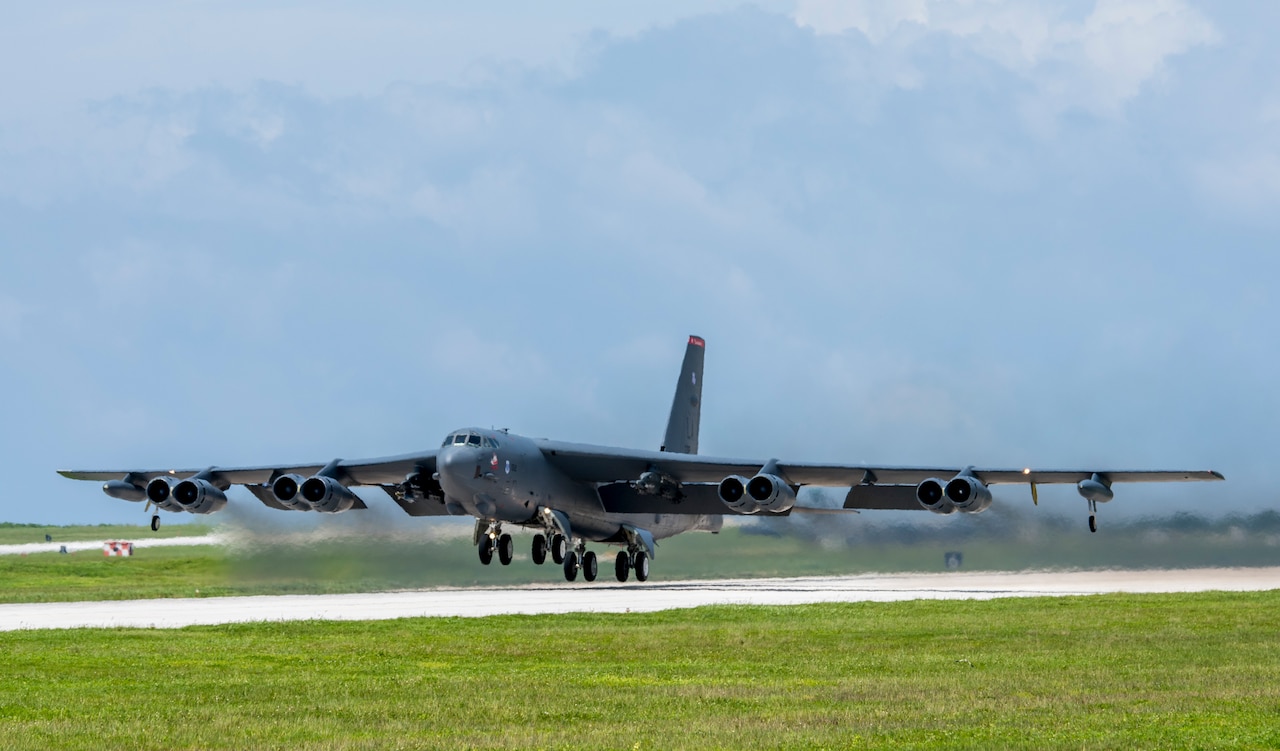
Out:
{"x": 611, "y": 597}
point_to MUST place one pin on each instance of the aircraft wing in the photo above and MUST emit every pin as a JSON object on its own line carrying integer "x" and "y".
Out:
{"x": 387, "y": 470}
{"x": 588, "y": 463}
{"x": 871, "y": 486}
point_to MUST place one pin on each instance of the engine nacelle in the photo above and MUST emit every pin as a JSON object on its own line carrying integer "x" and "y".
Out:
{"x": 327, "y": 495}
{"x": 285, "y": 489}
{"x": 733, "y": 493}
{"x": 160, "y": 493}
{"x": 968, "y": 494}
{"x": 771, "y": 493}
{"x": 125, "y": 491}
{"x": 933, "y": 498}
{"x": 199, "y": 496}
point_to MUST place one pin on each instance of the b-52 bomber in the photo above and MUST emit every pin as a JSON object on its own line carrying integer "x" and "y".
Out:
{"x": 575, "y": 494}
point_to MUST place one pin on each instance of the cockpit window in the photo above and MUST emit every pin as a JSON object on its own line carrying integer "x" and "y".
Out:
{"x": 473, "y": 440}
{"x": 460, "y": 439}
{"x": 448, "y": 441}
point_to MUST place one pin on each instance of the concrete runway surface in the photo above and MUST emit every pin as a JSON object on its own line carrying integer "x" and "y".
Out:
{"x": 611, "y": 597}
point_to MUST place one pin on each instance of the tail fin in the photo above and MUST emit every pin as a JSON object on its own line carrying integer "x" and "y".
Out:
{"x": 686, "y": 407}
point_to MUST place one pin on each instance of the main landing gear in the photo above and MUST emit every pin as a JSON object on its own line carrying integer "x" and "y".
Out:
{"x": 627, "y": 561}
{"x": 494, "y": 539}
{"x": 580, "y": 559}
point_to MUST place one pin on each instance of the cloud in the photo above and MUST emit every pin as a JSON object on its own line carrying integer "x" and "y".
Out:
{"x": 888, "y": 264}
{"x": 1096, "y": 63}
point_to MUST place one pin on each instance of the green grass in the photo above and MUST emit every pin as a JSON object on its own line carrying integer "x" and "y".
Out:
{"x": 1122, "y": 671}
{"x": 368, "y": 562}
{"x": 17, "y": 534}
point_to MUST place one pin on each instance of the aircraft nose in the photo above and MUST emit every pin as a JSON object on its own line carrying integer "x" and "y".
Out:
{"x": 458, "y": 461}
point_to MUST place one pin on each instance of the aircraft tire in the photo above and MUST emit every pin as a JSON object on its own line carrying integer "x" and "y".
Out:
{"x": 642, "y": 567}
{"x": 155, "y": 523}
{"x": 486, "y": 550}
{"x": 539, "y": 549}
{"x": 1093, "y": 524}
{"x": 622, "y": 565}
{"x": 506, "y": 550}
{"x": 571, "y": 566}
{"x": 558, "y": 548}
{"x": 589, "y": 566}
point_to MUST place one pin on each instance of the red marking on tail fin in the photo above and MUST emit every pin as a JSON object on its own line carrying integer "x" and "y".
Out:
{"x": 697, "y": 341}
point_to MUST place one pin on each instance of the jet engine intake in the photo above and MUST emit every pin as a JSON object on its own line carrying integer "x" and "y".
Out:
{"x": 160, "y": 493}
{"x": 771, "y": 493}
{"x": 285, "y": 489}
{"x": 968, "y": 494}
{"x": 733, "y": 493}
{"x": 933, "y": 498}
{"x": 327, "y": 495}
{"x": 199, "y": 496}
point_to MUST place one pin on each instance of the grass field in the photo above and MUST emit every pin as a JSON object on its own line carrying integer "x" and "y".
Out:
{"x": 280, "y": 564}
{"x": 1162, "y": 671}
{"x": 17, "y": 534}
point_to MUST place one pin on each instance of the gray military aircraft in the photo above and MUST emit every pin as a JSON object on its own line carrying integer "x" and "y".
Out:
{"x": 573, "y": 494}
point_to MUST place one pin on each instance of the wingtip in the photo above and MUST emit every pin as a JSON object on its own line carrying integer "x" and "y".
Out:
{"x": 1217, "y": 474}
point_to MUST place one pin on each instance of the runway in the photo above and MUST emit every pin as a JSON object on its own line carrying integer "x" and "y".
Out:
{"x": 612, "y": 597}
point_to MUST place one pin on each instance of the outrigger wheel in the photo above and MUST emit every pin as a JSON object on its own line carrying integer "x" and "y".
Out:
{"x": 155, "y": 523}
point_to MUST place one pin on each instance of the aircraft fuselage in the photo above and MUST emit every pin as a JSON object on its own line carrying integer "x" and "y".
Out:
{"x": 507, "y": 478}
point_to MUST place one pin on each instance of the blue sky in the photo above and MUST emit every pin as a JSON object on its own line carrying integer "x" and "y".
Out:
{"x": 981, "y": 232}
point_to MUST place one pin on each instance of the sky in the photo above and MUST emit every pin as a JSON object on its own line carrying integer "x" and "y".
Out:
{"x": 931, "y": 232}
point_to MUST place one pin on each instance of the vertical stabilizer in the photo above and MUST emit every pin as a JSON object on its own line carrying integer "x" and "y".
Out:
{"x": 686, "y": 407}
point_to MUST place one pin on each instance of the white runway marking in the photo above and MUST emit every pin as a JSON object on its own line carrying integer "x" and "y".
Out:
{"x": 616, "y": 598}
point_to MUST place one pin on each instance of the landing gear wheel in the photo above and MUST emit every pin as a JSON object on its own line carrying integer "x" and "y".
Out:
{"x": 486, "y": 549}
{"x": 642, "y": 567}
{"x": 539, "y": 549}
{"x": 622, "y": 565}
{"x": 506, "y": 550}
{"x": 570, "y": 566}
{"x": 589, "y": 569}
{"x": 155, "y": 523}
{"x": 558, "y": 548}
{"x": 1093, "y": 523}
